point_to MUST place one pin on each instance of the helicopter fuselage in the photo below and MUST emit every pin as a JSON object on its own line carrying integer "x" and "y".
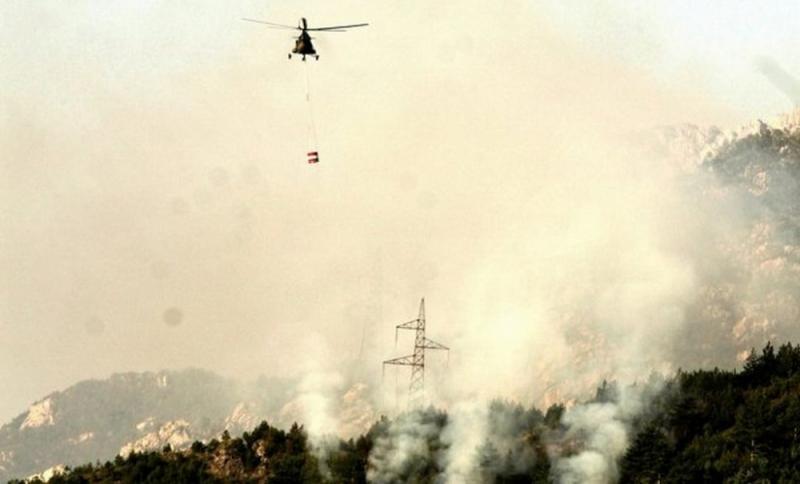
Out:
{"x": 303, "y": 45}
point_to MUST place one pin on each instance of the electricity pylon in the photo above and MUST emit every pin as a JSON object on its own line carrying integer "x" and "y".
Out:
{"x": 416, "y": 389}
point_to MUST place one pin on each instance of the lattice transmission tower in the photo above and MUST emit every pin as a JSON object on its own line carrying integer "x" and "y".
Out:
{"x": 416, "y": 389}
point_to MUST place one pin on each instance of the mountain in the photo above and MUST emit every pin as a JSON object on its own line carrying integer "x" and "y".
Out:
{"x": 97, "y": 419}
{"x": 756, "y": 175}
{"x": 699, "y": 426}
{"x": 139, "y": 412}
{"x": 744, "y": 189}
{"x": 725, "y": 217}
{"x": 693, "y": 147}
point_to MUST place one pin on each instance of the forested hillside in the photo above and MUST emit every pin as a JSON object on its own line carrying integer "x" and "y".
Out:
{"x": 701, "y": 426}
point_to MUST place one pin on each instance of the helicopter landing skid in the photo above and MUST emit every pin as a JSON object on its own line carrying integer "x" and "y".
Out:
{"x": 315, "y": 56}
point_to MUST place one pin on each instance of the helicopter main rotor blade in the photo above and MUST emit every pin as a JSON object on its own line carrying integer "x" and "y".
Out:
{"x": 273, "y": 25}
{"x": 337, "y": 27}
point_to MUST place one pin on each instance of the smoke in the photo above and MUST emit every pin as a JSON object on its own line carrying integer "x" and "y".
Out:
{"x": 313, "y": 403}
{"x": 466, "y": 429}
{"x": 597, "y": 436}
{"x": 656, "y": 265}
{"x": 407, "y": 449}
{"x": 329, "y": 403}
{"x": 164, "y": 192}
{"x": 162, "y": 168}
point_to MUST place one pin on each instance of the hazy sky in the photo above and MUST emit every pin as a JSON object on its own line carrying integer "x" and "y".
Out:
{"x": 156, "y": 210}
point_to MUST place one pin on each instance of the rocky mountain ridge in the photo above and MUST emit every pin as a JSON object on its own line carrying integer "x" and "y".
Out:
{"x": 748, "y": 279}
{"x": 139, "y": 412}
{"x": 98, "y": 419}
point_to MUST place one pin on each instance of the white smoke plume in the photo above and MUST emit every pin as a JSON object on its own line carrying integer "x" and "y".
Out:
{"x": 680, "y": 264}
{"x": 406, "y": 449}
{"x": 464, "y": 433}
{"x": 597, "y": 436}
{"x": 330, "y": 403}
{"x": 330, "y": 408}
{"x": 551, "y": 256}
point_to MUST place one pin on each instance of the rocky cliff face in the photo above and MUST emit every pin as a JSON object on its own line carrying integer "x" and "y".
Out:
{"x": 128, "y": 412}
{"x": 730, "y": 227}
{"x": 136, "y": 412}
{"x": 747, "y": 182}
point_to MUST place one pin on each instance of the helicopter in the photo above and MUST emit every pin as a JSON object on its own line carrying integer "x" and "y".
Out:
{"x": 303, "y": 45}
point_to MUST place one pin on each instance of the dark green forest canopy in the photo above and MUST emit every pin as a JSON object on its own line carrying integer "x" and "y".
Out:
{"x": 702, "y": 426}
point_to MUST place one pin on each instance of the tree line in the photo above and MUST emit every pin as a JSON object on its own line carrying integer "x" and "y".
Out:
{"x": 701, "y": 426}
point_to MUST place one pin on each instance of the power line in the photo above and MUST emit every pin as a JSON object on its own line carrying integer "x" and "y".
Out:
{"x": 416, "y": 388}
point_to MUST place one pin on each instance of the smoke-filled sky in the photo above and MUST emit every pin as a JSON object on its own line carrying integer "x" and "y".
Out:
{"x": 157, "y": 210}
